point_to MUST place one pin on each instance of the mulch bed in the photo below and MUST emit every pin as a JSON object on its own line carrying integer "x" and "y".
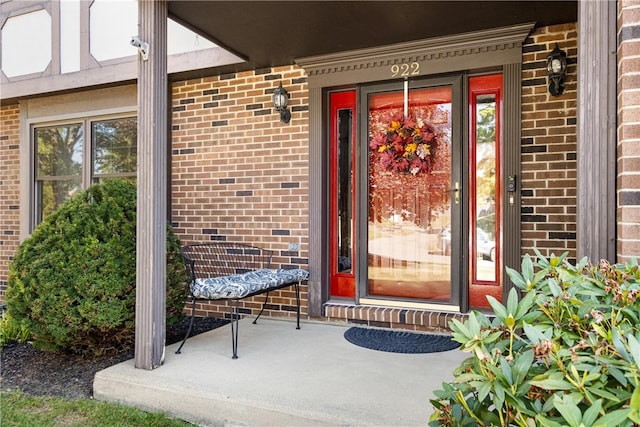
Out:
{"x": 39, "y": 373}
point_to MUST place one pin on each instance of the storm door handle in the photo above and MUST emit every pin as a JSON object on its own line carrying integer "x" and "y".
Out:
{"x": 456, "y": 193}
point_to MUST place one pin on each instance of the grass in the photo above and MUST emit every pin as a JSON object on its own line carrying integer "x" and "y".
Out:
{"x": 21, "y": 410}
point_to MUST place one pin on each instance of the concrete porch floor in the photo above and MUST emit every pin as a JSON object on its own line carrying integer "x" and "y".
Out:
{"x": 283, "y": 377}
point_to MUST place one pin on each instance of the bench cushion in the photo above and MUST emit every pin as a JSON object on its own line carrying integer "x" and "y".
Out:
{"x": 240, "y": 285}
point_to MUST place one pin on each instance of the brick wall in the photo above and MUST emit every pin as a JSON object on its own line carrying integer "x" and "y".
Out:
{"x": 548, "y": 146}
{"x": 628, "y": 179}
{"x": 9, "y": 188}
{"x": 238, "y": 173}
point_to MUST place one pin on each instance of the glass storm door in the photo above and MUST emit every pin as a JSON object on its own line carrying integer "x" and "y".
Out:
{"x": 414, "y": 191}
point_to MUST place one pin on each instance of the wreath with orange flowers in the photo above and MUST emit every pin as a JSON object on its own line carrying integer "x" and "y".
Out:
{"x": 408, "y": 144}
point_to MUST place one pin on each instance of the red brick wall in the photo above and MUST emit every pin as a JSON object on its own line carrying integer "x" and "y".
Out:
{"x": 628, "y": 179}
{"x": 238, "y": 173}
{"x": 548, "y": 146}
{"x": 9, "y": 188}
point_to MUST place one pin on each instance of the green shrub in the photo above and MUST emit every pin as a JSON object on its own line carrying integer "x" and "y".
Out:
{"x": 73, "y": 281}
{"x": 566, "y": 354}
{"x": 12, "y": 330}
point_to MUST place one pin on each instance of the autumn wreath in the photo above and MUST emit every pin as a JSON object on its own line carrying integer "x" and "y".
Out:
{"x": 408, "y": 144}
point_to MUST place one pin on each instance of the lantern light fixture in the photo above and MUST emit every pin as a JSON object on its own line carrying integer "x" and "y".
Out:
{"x": 280, "y": 103}
{"x": 557, "y": 70}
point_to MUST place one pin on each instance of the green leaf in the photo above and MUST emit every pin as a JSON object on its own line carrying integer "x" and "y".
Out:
{"x": 598, "y": 391}
{"x": 506, "y": 371}
{"x": 498, "y": 396}
{"x": 614, "y": 418}
{"x": 555, "y": 289}
{"x": 582, "y": 264}
{"x": 568, "y": 409}
{"x": 516, "y": 278}
{"x": 499, "y": 309}
{"x": 460, "y": 328}
{"x": 591, "y": 414}
{"x": 634, "y": 403}
{"x": 546, "y": 422}
{"x": 473, "y": 325}
{"x": 618, "y": 375}
{"x": 552, "y": 384}
{"x": 484, "y": 390}
{"x": 534, "y": 333}
{"x": 525, "y": 305}
{"x": 522, "y": 365}
{"x": 634, "y": 348}
{"x": 527, "y": 268}
{"x": 468, "y": 377}
{"x": 512, "y": 302}
{"x": 616, "y": 338}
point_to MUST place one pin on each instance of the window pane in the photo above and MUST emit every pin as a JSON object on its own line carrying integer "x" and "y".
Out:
{"x": 115, "y": 146}
{"x": 24, "y": 50}
{"x": 345, "y": 191}
{"x": 51, "y": 194}
{"x": 59, "y": 151}
{"x": 101, "y": 179}
{"x": 109, "y": 41}
{"x": 485, "y": 198}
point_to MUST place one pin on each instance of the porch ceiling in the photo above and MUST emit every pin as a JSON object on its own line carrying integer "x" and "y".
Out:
{"x": 272, "y": 33}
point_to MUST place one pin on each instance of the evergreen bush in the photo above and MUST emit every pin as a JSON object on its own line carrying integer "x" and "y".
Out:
{"x": 72, "y": 283}
{"x": 566, "y": 354}
{"x": 11, "y": 330}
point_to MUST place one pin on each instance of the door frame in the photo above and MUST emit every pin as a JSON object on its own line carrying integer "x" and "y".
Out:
{"x": 457, "y": 174}
{"x": 496, "y": 47}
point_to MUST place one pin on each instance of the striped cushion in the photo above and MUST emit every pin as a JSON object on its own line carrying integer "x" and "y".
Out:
{"x": 240, "y": 285}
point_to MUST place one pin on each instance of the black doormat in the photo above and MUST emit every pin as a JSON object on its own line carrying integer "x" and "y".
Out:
{"x": 399, "y": 341}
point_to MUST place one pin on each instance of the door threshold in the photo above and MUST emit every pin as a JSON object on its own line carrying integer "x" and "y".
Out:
{"x": 409, "y": 305}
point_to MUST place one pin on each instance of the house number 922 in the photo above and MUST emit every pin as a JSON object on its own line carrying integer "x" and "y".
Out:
{"x": 404, "y": 70}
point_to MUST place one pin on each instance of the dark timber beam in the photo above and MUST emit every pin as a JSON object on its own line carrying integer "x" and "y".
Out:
{"x": 152, "y": 186}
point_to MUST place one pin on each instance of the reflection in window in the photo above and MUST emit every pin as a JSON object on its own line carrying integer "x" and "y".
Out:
{"x": 485, "y": 188}
{"x": 409, "y": 209}
{"x": 61, "y": 150}
{"x": 114, "y": 146}
{"x": 345, "y": 191}
{"x": 58, "y": 165}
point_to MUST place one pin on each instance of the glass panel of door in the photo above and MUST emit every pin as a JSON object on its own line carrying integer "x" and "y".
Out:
{"x": 410, "y": 193}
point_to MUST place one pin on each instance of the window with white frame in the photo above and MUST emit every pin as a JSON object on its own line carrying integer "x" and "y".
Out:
{"x": 71, "y": 156}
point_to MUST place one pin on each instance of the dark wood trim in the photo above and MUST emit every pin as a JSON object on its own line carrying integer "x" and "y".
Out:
{"x": 596, "y": 129}
{"x": 318, "y": 245}
{"x": 511, "y": 166}
{"x": 476, "y": 50}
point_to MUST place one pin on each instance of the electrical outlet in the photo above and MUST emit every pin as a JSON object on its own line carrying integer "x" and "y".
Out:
{"x": 294, "y": 247}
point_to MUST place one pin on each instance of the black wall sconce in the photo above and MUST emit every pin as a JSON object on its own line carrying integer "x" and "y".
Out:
{"x": 280, "y": 102}
{"x": 557, "y": 70}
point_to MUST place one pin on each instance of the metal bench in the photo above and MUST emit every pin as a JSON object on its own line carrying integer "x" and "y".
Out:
{"x": 234, "y": 271}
